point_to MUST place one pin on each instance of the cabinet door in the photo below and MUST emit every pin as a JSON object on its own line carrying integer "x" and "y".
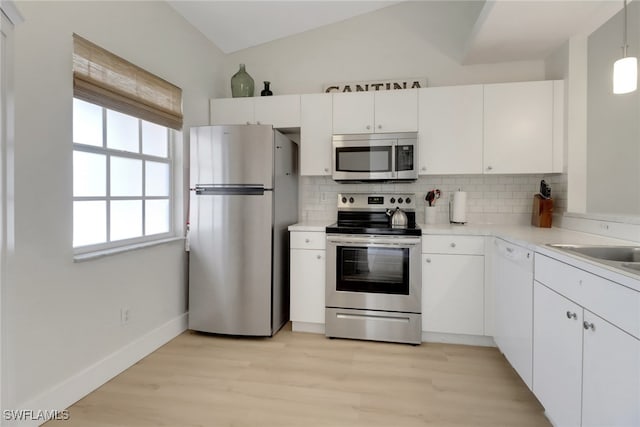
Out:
{"x": 450, "y": 130}
{"x": 353, "y": 112}
{"x": 518, "y": 127}
{"x": 396, "y": 111}
{"x": 307, "y": 285}
{"x": 279, "y": 111}
{"x": 611, "y": 375}
{"x": 232, "y": 111}
{"x": 315, "y": 134}
{"x": 557, "y": 355}
{"x": 453, "y": 294}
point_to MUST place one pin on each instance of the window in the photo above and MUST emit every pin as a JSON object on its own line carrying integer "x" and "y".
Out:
{"x": 123, "y": 118}
{"x": 122, "y": 170}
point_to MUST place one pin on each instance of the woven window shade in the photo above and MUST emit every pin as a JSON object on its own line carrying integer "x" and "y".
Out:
{"x": 102, "y": 78}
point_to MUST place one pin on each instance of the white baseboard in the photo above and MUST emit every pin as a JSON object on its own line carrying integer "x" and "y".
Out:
{"x": 314, "y": 328}
{"x": 479, "y": 340}
{"x": 84, "y": 382}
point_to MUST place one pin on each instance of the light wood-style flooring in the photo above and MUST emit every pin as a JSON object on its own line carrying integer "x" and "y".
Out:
{"x": 307, "y": 380}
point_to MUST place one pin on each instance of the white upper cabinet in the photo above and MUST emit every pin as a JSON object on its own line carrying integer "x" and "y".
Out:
{"x": 450, "y": 130}
{"x": 368, "y": 112}
{"x": 232, "y": 111}
{"x": 396, "y": 111}
{"x": 279, "y": 111}
{"x": 353, "y": 112}
{"x": 315, "y": 134}
{"x": 518, "y": 127}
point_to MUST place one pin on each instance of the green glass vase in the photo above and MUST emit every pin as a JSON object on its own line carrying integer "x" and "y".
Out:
{"x": 241, "y": 83}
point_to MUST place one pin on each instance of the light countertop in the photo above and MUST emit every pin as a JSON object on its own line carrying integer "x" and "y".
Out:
{"x": 310, "y": 226}
{"x": 532, "y": 238}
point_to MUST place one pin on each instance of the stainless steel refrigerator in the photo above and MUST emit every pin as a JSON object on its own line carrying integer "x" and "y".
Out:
{"x": 244, "y": 196}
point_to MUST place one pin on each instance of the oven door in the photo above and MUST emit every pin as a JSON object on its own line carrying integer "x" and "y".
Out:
{"x": 374, "y": 273}
{"x": 363, "y": 160}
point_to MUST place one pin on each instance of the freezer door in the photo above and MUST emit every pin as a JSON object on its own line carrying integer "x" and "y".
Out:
{"x": 230, "y": 274}
{"x": 232, "y": 155}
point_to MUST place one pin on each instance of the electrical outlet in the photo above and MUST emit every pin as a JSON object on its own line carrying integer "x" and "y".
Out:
{"x": 124, "y": 315}
{"x": 323, "y": 197}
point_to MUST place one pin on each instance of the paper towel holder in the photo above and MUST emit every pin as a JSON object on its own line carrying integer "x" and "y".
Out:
{"x": 455, "y": 215}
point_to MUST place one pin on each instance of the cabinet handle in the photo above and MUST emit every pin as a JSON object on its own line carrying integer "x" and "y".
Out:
{"x": 257, "y": 123}
{"x": 379, "y": 126}
{"x": 319, "y": 256}
{"x": 453, "y": 245}
{"x": 428, "y": 260}
{"x": 509, "y": 250}
{"x": 423, "y": 168}
{"x": 588, "y": 325}
{"x": 571, "y": 315}
{"x": 248, "y": 123}
{"x": 368, "y": 127}
{"x": 326, "y": 169}
{"x": 307, "y": 240}
{"x": 489, "y": 168}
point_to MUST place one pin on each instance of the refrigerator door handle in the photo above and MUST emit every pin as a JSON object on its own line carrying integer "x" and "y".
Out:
{"x": 229, "y": 190}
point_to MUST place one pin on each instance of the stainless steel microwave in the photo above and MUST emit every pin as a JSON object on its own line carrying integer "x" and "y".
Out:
{"x": 375, "y": 157}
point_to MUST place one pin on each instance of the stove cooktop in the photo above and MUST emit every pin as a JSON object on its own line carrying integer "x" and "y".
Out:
{"x": 373, "y": 229}
{"x": 370, "y": 213}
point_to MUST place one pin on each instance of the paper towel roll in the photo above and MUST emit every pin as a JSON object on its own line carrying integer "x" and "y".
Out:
{"x": 459, "y": 207}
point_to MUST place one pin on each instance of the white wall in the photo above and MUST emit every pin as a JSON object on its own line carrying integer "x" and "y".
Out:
{"x": 412, "y": 39}
{"x": 63, "y": 316}
{"x": 613, "y": 150}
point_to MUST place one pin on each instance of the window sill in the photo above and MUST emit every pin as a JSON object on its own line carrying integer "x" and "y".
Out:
{"x": 113, "y": 251}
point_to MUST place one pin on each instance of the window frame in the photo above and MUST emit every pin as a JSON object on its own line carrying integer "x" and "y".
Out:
{"x": 107, "y": 198}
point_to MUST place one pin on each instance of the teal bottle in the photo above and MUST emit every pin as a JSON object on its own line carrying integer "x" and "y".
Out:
{"x": 241, "y": 83}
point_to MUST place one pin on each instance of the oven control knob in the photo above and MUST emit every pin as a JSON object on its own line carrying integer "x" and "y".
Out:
{"x": 407, "y": 200}
{"x": 392, "y": 200}
{"x": 400, "y": 200}
{"x": 344, "y": 200}
{"x": 351, "y": 200}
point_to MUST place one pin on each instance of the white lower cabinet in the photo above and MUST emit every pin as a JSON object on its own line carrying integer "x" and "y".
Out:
{"x": 586, "y": 369}
{"x": 453, "y": 284}
{"x": 307, "y": 277}
{"x": 610, "y": 375}
{"x": 557, "y": 355}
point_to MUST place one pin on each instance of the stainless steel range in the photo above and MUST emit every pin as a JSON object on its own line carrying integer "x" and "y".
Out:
{"x": 374, "y": 278}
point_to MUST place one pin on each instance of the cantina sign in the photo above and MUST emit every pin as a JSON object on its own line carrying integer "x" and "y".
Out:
{"x": 374, "y": 85}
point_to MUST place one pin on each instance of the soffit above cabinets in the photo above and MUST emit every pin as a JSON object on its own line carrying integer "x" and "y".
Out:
{"x": 512, "y": 30}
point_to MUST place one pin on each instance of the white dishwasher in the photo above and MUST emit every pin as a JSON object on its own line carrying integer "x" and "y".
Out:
{"x": 513, "y": 305}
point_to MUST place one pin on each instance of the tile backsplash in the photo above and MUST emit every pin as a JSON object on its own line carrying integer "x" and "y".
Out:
{"x": 491, "y": 199}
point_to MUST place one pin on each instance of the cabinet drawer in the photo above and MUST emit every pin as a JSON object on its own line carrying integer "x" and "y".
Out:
{"x": 462, "y": 245}
{"x": 611, "y": 301}
{"x": 308, "y": 240}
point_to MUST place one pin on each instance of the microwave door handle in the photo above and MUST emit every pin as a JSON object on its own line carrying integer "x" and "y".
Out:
{"x": 394, "y": 165}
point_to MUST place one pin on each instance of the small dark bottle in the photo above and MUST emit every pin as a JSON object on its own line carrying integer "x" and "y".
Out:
{"x": 266, "y": 91}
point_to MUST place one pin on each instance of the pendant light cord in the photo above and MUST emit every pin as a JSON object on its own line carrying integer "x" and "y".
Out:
{"x": 625, "y": 45}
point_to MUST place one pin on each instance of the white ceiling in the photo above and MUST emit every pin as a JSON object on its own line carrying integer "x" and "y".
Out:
{"x": 236, "y": 25}
{"x": 506, "y": 30}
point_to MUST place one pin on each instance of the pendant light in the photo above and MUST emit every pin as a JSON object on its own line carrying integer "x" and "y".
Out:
{"x": 625, "y": 70}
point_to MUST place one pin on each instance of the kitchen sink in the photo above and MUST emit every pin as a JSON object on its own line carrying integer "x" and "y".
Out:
{"x": 624, "y": 257}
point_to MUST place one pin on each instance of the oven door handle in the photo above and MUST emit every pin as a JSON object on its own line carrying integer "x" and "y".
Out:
{"x": 375, "y": 241}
